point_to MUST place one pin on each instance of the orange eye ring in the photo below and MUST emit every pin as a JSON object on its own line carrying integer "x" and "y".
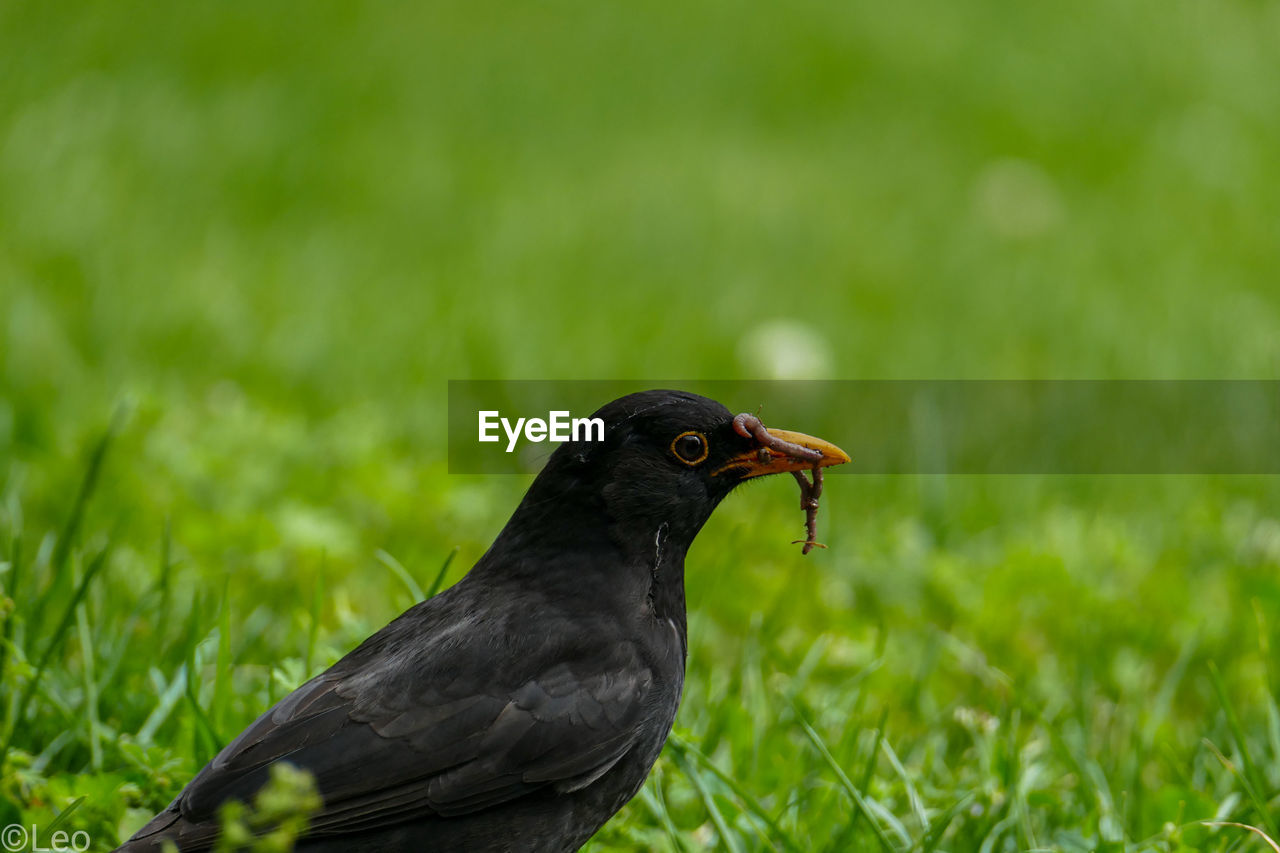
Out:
{"x": 681, "y": 448}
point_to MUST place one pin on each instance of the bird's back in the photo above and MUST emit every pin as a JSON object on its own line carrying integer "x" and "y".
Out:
{"x": 482, "y": 719}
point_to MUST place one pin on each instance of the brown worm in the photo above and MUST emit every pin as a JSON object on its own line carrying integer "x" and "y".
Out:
{"x": 750, "y": 426}
{"x": 809, "y": 494}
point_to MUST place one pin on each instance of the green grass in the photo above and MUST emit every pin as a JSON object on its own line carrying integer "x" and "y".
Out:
{"x": 242, "y": 249}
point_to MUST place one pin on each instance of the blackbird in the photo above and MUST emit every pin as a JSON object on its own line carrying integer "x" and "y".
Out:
{"x": 524, "y": 706}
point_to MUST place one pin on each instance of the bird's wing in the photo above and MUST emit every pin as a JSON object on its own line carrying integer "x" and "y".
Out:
{"x": 381, "y": 741}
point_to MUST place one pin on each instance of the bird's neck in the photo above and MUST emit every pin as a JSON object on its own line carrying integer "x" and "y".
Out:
{"x": 665, "y": 595}
{"x": 587, "y": 549}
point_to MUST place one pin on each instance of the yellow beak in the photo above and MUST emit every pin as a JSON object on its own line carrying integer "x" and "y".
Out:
{"x": 762, "y": 460}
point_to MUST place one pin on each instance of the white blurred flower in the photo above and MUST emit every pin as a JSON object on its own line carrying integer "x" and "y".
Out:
{"x": 1017, "y": 199}
{"x": 785, "y": 349}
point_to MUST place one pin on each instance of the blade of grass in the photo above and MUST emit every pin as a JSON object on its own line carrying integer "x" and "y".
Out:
{"x": 88, "y": 652}
{"x": 1250, "y": 777}
{"x": 754, "y": 697}
{"x": 164, "y": 578}
{"x": 204, "y": 738}
{"x": 50, "y": 752}
{"x": 62, "y": 547}
{"x": 1018, "y": 773}
{"x": 933, "y": 837}
{"x": 58, "y": 637}
{"x": 1169, "y": 687}
{"x": 169, "y": 697}
{"x": 842, "y": 840}
{"x": 753, "y": 805}
{"x": 845, "y": 782}
{"x": 111, "y": 655}
{"x": 1273, "y": 728}
{"x": 438, "y": 581}
{"x": 313, "y": 624}
{"x": 15, "y": 583}
{"x": 812, "y": 658}
{"x": 913, "y": 796}
{"x": 996, "y": 832}
{"x": 1264, "y": 645}
{"x": 869, "y": 772}
{"x": 728, "y": 838}
{"x": 222, "y": 664}
{"x": 63, "y": 815}
{"x": 403, "y": 574}
{"x": 652, "y": 797}
{"x": 1231, "y": 768}
{"x": 1267, "y": 838}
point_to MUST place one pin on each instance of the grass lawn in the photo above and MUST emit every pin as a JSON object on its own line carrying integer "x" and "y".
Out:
{"x": 242, "y": 248}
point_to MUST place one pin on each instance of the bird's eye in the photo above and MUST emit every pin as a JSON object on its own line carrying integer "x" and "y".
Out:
{"x": 690, "y": 447}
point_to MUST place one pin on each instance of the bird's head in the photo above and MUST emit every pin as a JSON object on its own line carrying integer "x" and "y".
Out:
{"x": 667, "y": 460}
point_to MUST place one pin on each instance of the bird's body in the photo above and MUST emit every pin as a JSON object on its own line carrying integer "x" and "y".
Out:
{"x": 521, "y": 708}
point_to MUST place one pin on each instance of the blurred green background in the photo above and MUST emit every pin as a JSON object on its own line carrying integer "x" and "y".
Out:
{"x": 267, "y": 234}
